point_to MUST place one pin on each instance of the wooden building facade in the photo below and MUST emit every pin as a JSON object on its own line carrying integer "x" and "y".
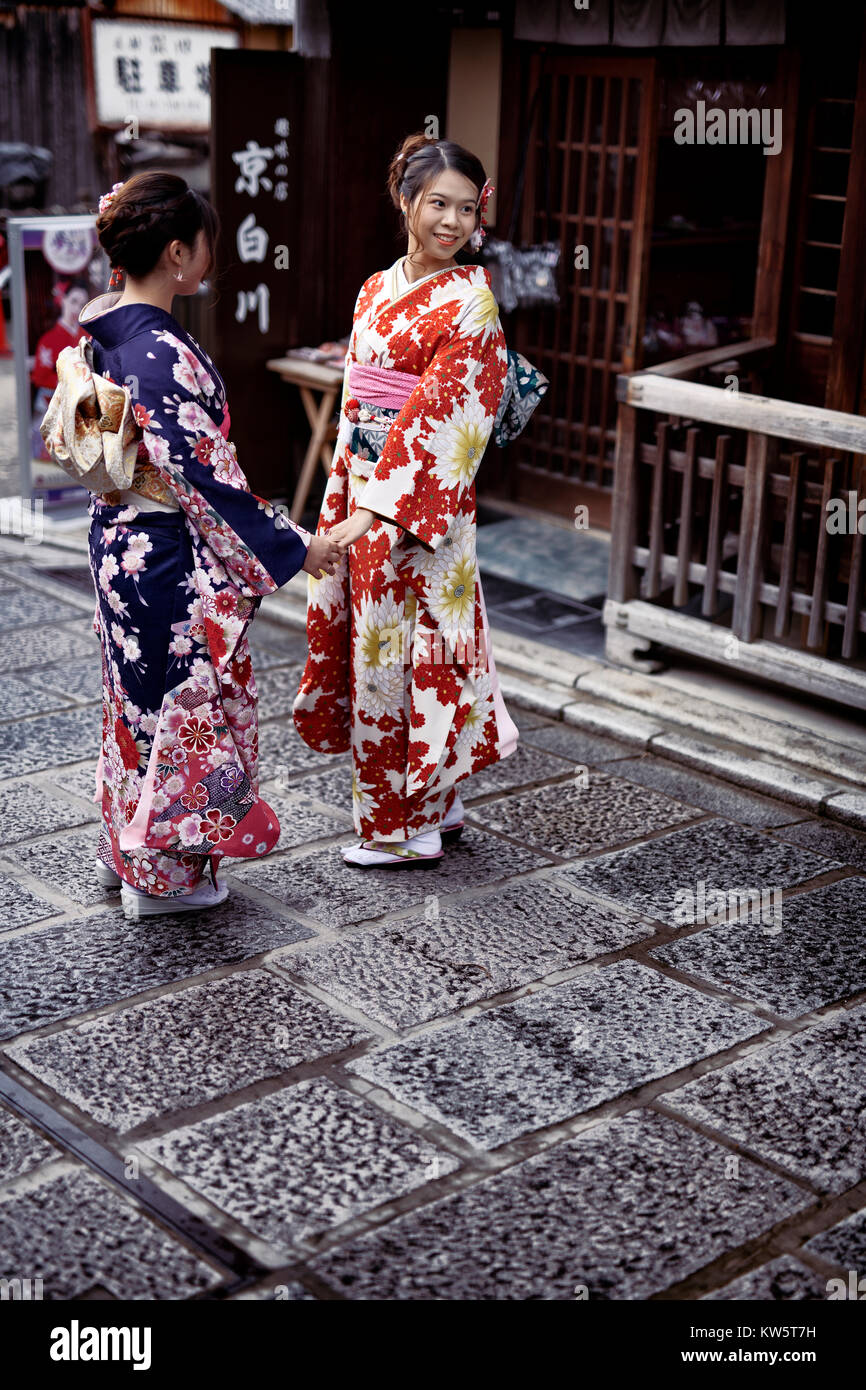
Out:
{"x": 707, "y": 356}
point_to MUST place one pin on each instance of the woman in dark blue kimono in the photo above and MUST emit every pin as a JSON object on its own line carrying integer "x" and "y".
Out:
{"x": 180, "y": 562}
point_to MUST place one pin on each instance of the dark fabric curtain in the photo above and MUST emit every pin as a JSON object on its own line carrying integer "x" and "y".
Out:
{"x": 693, "y": 23}
{"x": 748, "y": 23}
{"x": 638, "y": 23}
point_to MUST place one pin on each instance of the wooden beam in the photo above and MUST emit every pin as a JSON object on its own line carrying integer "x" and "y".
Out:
{"x": 709, "y": 357}
{"x": 794, "y": 669}
{"x": 739, "y": 410}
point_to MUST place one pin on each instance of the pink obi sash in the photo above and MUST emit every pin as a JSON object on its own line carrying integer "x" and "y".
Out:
{"x": 381, "y": 385}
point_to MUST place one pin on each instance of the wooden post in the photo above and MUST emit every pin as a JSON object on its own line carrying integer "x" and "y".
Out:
{"x": 746, "y": 605}
{"x": 715, "y": 538}
{"x": 777, "y": 200}
{"x": 849, "y": 324}
{"x": 684, "y": 546}
{"x": 623, "y": 579}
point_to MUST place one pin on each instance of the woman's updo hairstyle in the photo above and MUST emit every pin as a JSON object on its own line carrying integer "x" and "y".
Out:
{"x": 418, "y": 162}
{"x": 151, "y": 209}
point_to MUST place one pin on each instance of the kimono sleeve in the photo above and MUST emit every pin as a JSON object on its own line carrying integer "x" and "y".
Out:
{"x": 436, "y": 443}
{"x": 176, "y": 406}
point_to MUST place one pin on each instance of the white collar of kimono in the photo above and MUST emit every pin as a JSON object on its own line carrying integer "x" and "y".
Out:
{"x": 398, "y": 278}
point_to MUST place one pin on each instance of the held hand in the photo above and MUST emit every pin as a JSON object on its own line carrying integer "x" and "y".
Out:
{"x": 322, "y": 554}
{"x": 353, "y": 528}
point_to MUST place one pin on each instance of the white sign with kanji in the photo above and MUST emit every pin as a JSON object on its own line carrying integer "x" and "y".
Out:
{"x": 157, "y": 74}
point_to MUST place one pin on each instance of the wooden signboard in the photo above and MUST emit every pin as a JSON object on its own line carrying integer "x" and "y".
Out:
{"x": 256, "y": 149}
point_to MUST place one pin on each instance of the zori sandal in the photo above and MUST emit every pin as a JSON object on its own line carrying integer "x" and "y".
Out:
{"x": 137, "y": 904}
{"x": 421, "y": 851}
{"x": 105, "y": 875}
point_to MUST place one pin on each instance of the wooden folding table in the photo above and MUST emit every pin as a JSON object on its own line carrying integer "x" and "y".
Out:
{"x": 310, "y": 379}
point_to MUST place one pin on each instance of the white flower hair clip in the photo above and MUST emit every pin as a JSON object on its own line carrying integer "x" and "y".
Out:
{"x": 480, "y": 233}
{"x": 107, "y": 198}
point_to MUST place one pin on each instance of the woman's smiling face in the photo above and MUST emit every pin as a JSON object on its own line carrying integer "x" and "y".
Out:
{"x": 443, "y": 217}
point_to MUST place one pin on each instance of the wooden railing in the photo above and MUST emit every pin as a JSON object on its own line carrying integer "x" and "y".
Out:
{"x": 723, "y": 543}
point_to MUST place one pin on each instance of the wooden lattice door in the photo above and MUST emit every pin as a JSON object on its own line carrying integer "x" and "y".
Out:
{"x": 589, "y": 180}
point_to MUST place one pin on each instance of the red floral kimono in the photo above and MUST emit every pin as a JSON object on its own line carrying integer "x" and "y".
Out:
{"x": 399, "y": 668}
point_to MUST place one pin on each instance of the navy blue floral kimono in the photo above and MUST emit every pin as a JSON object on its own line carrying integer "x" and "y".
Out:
{"x": 180, "y": 563}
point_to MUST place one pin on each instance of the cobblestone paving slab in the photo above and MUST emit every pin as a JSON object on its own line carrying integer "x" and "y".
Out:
{"x": 21, "y": 1147}
{"x": 272, "y": 635}
{"x": 784, "y": 1279}
{"x": 186, "y": 1048}
{"x": 812, "y": 955}
{"x": 23, "y": 650}
{"x": 81, "y": 783}
{"x": 67, "y": 864}
{"x": 800, "y": 1102}
{"x": 718, "y": 797}
{"x": 332, "y": 786}
{"x": 526, "y": 719}
{"x": 50, "y": 740}
{"x": 417, "y": 970}
{"x": 556, "y": 1053}
{"x": 843, "y": 1244}
{"x": 19, "y": 907}
{"x": 277, "y": 688}
{"x": 299, "y": 1161}
{"x": 27, "y": 606}
{"x": 283, "y": 753}
{"x": 842, "y": 845}
{"x": 723, "y": 855}
{"x": 571, "y": 819}
{"x": 336, "y": 894}
{"x": 28, "y": 809}
{"x": 266, "y": 655}
{"x": 67, "y": 968}
{"x": 77, "y": 1231}
{"x": 626, "y": 1209}
{"x": 18, "y": 699}
{"x": 521, "y": 768}
{"x": 300, "y": 824}
{"x": 80, "y": 679}
{"x": 580, "y": 747}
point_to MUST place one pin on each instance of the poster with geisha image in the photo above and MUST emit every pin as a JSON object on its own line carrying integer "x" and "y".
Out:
{"x": 57, "y": 265}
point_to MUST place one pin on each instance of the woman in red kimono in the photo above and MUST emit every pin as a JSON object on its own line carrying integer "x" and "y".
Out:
{"x": 180, "y": 562}
{"x": 400, "y": 669}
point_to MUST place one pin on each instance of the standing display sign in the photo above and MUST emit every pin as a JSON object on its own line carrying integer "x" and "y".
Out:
{"x": 57, "y": 265}
{"x": 255, "y": 154}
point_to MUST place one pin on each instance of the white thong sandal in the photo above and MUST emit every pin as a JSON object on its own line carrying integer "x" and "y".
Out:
{"x": 421, "y": 851}
{"x": 137, "y": 904}
{"x": 106, "y": 876}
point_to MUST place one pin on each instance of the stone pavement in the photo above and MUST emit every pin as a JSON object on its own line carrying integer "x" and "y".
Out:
{"x": 539, "y": 1070}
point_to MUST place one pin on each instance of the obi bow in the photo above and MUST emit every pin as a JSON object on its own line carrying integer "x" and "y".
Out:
{"x": 89, "y": 427}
